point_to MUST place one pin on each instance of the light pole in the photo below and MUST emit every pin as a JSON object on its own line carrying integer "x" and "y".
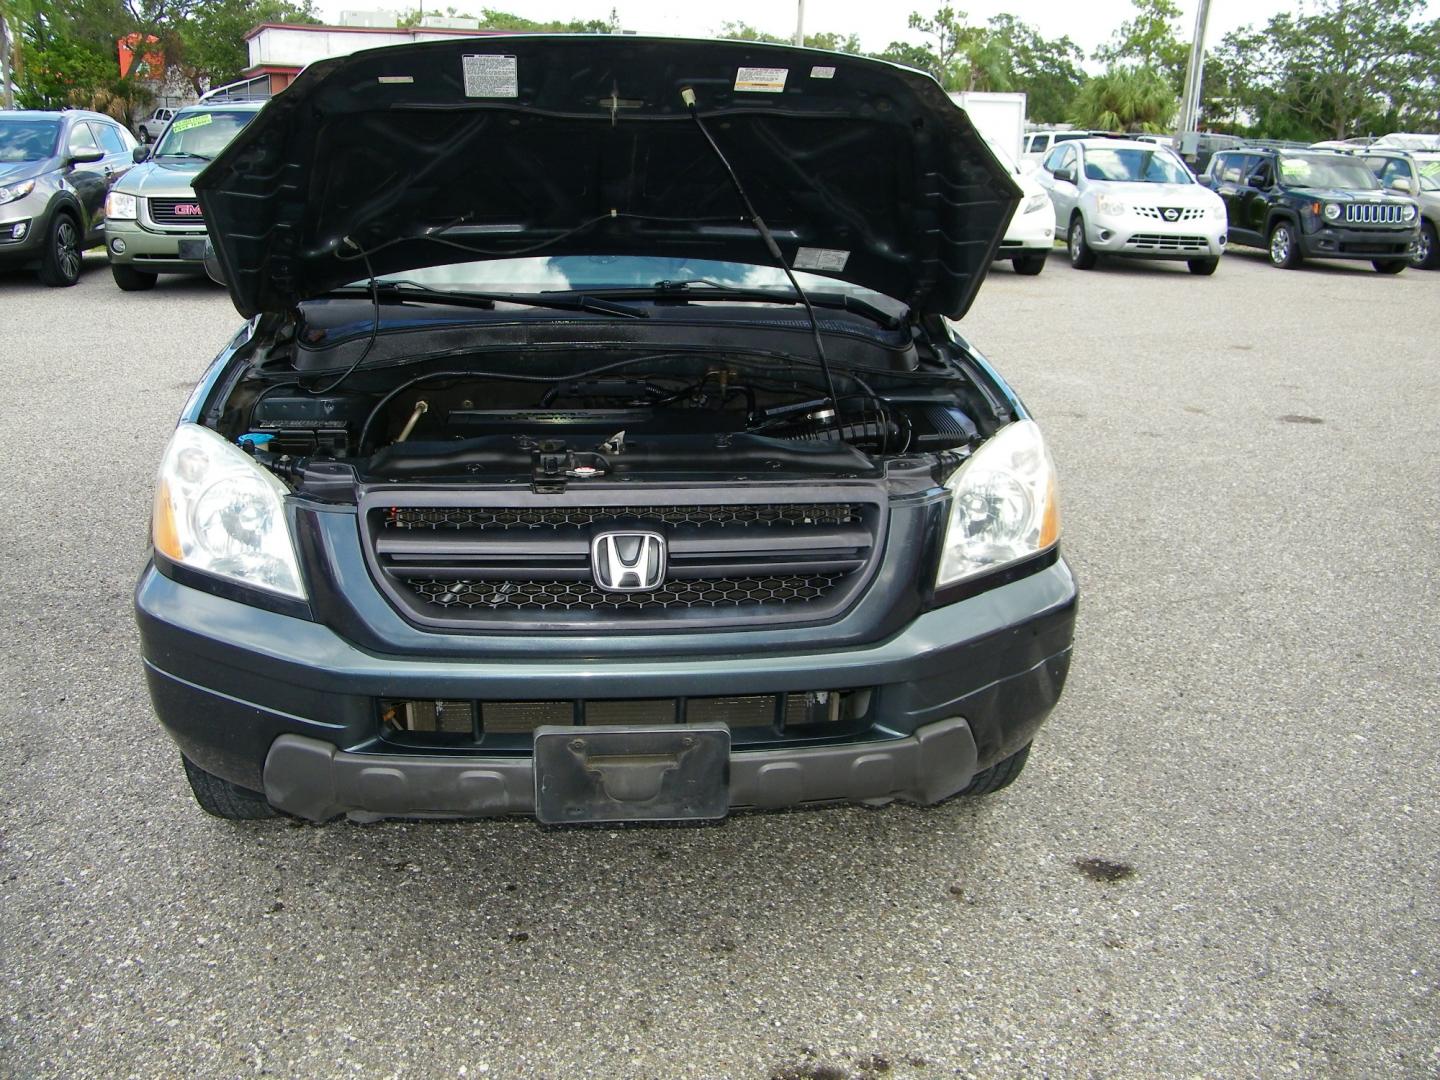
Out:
{"x": 799, "y": 22}
{"x": 1194, "y": 72}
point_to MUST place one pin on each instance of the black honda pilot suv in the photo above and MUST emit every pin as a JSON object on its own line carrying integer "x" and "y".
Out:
{"x": 599, "y": 446}
{"x": 1300, "y": 204}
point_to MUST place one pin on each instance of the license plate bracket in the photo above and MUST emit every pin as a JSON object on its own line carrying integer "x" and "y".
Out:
{"x": 192, "y": 250}
{"x": 616, "y": 773}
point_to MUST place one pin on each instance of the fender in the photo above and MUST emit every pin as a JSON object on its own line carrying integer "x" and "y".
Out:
{"x": 67, "y": 199}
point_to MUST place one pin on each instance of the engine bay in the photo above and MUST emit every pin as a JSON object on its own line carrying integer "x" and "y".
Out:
{"x": 559, "y": 419}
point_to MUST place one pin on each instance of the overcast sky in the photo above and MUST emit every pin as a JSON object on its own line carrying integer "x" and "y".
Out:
{"x": 878, "y": 22}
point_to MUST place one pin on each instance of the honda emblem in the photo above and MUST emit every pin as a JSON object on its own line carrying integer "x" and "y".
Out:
{"x": 628, "y": 561}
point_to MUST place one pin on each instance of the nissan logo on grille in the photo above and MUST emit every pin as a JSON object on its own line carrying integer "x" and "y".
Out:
{"x": 1171, "y": 214}
{"x": 628, "y": 561}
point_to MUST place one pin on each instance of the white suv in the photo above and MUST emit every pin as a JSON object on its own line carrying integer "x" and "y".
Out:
{"x": 1131, "y": 198}
{"x": 154, "y": 125}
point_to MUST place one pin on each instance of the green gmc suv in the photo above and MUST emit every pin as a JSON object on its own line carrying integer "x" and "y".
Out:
{"x": 154, "y": 224}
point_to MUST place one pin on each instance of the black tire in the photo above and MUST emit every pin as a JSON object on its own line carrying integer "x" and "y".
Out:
{"x": 1390, "y": 266}
{"x": 1427, "y": 249}
{"x": 1285, "y": 246}
{"x": 61, "y": 258}
{"x": 1082, "y": 255}
{"x": 130, "y": 279}
{"x": 1029, "y": 265}
{"x": 1202, "y": 267}
{"x": 224, "y": 799}
{"x": 1000, "y": 775}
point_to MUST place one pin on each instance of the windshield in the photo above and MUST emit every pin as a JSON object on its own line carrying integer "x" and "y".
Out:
{"x": 596, "y": 272}
{"x": 202, "y": 134}
{"x": 1325, "y": 171}
{"x": 1135, "y": 166}
{"x": 1001, "y": 156}
{"x": 28, "y": 140}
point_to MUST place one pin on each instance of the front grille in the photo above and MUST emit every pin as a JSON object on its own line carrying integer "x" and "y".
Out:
{"x": 176, "y": 212}
{"x": 530, "y": 566}
{"x": 582, "y": 596}
{"x": 1376, "y": 213}
{"x": 1160, "y": 242}
{"x": 549, "y": 517}
{"x": 1180, "y": 213}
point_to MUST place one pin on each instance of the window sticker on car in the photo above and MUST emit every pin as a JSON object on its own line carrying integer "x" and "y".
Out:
{"x": 761, "y": 80}
{"x": 396, "y": 80}
{"x": 822, "y": 73}
{"x": 831, "y": 259}
{"x": 191, "y": 122}
{"x": 491, "y": 76}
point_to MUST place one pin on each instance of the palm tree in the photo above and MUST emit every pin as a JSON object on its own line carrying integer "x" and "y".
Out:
{"x": 1126, "y": 99}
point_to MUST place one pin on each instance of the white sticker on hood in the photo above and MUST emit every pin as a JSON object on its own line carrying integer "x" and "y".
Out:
{"x": 824, "y": 259}
{"x": 491, "y": 76}
{"x": 761, "y": 80}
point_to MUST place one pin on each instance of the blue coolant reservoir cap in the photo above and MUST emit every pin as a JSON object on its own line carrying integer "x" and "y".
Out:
{"x": 255, "y": 440}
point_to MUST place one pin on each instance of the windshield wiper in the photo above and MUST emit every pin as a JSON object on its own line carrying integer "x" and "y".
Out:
{"x": 714, "y": 292}
{"x": 184, "y": 154}
{"x": 485, "y": 300}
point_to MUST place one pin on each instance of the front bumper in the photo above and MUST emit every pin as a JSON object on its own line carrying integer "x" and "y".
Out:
{"x": 289, "y": 707}
{"x": 1334, "y": 243}
{"x": 1152, "y": 238}
{"x": 149, "y": 251}
{"x": 1029, "y": 234}
{"x": 28, "y": 218}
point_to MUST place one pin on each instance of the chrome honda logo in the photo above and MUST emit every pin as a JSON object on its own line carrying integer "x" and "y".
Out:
{"x": 628, "y": 561}
{"x": 1171, "y": 214}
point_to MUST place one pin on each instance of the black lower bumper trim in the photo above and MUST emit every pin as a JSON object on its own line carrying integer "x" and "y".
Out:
{"x": 312, "y": 779}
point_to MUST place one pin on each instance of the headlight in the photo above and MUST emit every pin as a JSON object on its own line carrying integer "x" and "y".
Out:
{"x": 1409, "y": 212}
{"x": 219, "y": 512}
{"x": 1218, "y": 212}
{"x": 1110, "y": 205}
{"x": 1332, "y": 211}
{"x": 16, "y": 191}
{"x": 1004, "y": 505}
{"x": 1036, "y": 202}
{"x": 120, "y": 206}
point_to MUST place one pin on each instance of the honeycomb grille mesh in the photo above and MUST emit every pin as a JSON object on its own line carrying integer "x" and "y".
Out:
{"x": 583, "y": 596}
{"x": 550, "y": 517}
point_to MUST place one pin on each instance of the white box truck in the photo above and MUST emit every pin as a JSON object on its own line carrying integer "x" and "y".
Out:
{"x": 999, "y": 117}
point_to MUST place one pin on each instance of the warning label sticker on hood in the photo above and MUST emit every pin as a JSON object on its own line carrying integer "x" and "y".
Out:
{"x": 761, "y": 80}
{"x": 824, "y": 259}
{"x": 491, "y": 76}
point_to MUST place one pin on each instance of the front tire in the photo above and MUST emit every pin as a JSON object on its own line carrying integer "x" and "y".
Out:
{"x": 1028, "y": 265}
{"x": 1284, "y": 246}
{"x": 61, "y": 259}
{"x": 223, "y": 799}
{"x": 1427, "y": 248}
{"x": 1202, "y": 267}
{"x": 1390, "y": 266}
{"x": 1000, "y": 775}
{"x": 1082, "y": 255}
{"x": 131, "y": 280}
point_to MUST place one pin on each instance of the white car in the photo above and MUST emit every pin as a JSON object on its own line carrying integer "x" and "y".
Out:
{"x": 1131, "y": 198}
{"x": 1031, "y": 235}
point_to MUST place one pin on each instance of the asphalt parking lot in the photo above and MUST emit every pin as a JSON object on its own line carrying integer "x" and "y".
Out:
{"x": 1247, "y": 746}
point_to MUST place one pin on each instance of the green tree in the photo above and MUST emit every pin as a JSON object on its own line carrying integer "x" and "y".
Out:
{"x": 491, "y": 19}
{"x": 211, "y": 39}
{"x": 1126, "y": 99}
{"x": 1339, "y": 69}
{"x": 741, "y": 31}
{"x": 1047, "y": 69}
{"x": 1150, "y": 40}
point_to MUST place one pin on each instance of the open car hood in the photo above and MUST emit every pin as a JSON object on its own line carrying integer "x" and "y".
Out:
{"x": 507, "y": 146}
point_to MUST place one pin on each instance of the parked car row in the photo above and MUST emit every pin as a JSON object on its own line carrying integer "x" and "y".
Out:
{"x": 1138, "y": 199}
{"x": 73, "y": 180}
